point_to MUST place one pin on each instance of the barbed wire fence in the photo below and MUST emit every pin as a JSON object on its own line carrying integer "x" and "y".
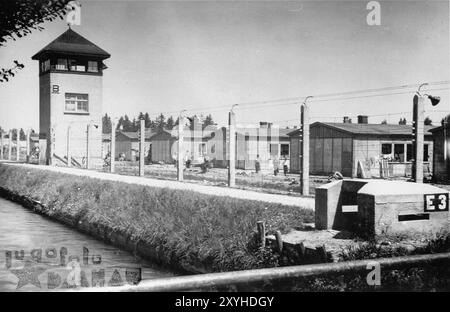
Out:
{"x": 85, "y": 146}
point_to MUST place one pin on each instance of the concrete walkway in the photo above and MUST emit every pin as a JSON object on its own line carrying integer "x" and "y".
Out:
{"x": 304, "y": 202}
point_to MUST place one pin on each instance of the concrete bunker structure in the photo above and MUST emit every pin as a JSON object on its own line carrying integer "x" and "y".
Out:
{"x": 373, "y": 208}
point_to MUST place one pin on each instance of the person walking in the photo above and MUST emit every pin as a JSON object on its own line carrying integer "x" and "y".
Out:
{"x": 276, "y": 164}
{"x": 257, "y": 164}
{"x": 285, "y": 166}
{"x": 187, "y": 159}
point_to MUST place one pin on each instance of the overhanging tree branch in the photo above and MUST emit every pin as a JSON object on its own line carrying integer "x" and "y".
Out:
{"x": 19, "y": 17}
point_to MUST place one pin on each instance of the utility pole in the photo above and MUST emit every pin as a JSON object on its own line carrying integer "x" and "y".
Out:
{"x": 180, "y": 147}
{"x": 17, "y": 145}
{"x": 418, "y": 132}
{"x": 304, "y": 155}
{"x": 232, "y": 148}
{"x": 88, "y": 135}
{"x": 446, "y": 147}
{"x": 10, "y": 146}
{"x": 142, "y": 148}
{"x": 69, "y": 157}
{"x": 113, "y": 146}
{"x": 419, "y": 101}
{"x": 28, "y": 146}
{"x": 1, "y": 144}
{"x": 50, "y": 144}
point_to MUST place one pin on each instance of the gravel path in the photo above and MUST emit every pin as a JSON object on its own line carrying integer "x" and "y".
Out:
{"x": 304, "y": 202}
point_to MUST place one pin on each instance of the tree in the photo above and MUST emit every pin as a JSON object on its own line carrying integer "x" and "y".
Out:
{"x": 127, "y": 125}
{"x": 14, "y": 134}
{"x": 428, "y": 121}
{"x": 208, "y": 121}
{"x": 22, "y": 135}
{"x": 11, "y": 72}
{"x": 160, "y": 123}
{"x": 384, "y": 122}
{"x": 195, "y": 122}
{"x": 148, "y": 121}
{"x": 402, "y": 121}
{"x": 19, "y": 17}
{"x": 120, "y": 123}
{"x": 170, "y": 124}
{"x": 106, "y": 124}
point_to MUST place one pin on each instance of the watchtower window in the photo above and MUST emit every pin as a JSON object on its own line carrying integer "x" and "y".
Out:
{"x": 93, "y": 66}
{"x": 61, "y": 64}
{"x": 45, "y": 66}
{"x": 76, "y": 66}
{"x": 77, "y": 103}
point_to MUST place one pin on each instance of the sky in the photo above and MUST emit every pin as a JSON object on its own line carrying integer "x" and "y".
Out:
{"x": 168, "y": 56}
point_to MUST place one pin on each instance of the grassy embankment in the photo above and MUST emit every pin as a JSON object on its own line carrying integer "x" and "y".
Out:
{"x": 188, "y": 231}
{"x": 184, "y": 230}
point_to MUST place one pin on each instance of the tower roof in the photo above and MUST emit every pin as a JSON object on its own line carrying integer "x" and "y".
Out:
{"x": 72, "y": 43}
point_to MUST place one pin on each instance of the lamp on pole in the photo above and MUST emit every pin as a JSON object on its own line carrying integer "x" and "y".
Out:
{"x": 304, "y": 154}
{"x": 418, "y": 131}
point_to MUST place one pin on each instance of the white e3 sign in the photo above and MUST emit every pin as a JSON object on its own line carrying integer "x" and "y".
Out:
{"x": 74, "y": 13}
{"x": 374, "y": 16}
{"x": 436, "y": 202}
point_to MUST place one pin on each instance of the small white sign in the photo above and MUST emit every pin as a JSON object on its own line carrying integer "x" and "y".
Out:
{"x": 436, "y": 202}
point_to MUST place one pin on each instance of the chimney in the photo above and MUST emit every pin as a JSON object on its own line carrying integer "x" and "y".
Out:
{"x": 265, "y": 124}
{"x": 363, "y": 119}
{"x": 346, "y": 119}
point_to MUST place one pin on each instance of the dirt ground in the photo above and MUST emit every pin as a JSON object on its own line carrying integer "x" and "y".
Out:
{"x": 245, "y": 179}
{"x": 264, "y": 181}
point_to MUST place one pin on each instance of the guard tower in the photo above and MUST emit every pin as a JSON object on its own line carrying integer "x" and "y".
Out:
{"x": 70, "y": 101}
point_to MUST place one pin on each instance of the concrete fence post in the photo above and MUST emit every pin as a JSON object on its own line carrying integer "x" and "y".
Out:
{"x": 279, "y": 240}
{"x": 304, "y": 172}
{"x": 180, "y": 148}
{"x": 1, "y": 144}
{"x": 113, "y": 147}
{"x": 418, "y": 140}
{"x": 69, "y": 157}
{"x": 18, "y": 145}
{"x": 142, "y": 148}
{"x": 50, "y": 146}
{"x": 10, "y": 145}
{"x": 88, "y": 139}
{"x": 232, "y": 149}
{"x": 261, "y": 233}
{"x": 28, "y": 146}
